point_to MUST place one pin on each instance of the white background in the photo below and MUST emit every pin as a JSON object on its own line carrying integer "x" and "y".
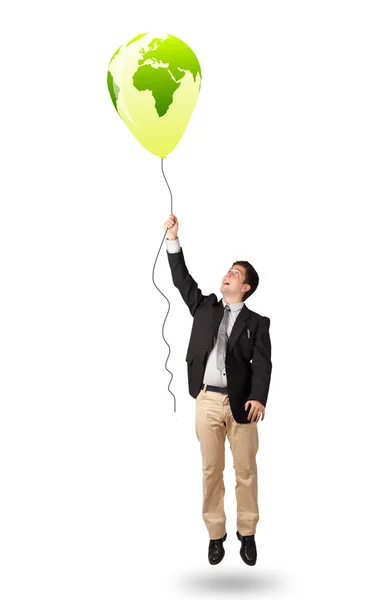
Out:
{"x": 101, "y": 482}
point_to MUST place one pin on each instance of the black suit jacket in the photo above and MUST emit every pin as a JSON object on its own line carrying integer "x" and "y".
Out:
{"x": 248, "y": 359}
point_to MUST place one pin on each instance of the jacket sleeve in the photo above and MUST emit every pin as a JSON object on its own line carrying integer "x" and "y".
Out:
{"x": 188, "y": 288}
{"x": 261, "y": 363}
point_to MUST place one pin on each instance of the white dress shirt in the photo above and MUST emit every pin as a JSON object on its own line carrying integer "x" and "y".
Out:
{"x": 213, "y": 375}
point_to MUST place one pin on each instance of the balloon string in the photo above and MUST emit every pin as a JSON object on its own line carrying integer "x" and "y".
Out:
{"x": 164, "y": 295}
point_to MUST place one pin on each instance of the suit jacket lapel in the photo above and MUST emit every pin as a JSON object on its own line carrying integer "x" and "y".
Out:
{"x": 240, "y": 323}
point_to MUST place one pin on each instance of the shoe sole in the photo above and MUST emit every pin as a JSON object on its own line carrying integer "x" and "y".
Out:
{"x": 223, "y": 553}
{"x": 251, "y": 563}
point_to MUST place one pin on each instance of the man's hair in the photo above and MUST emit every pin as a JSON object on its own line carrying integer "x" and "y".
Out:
{"x": 251, "y": 277}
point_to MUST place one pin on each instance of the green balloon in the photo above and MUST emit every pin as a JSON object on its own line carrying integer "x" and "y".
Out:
{"x": 154, "y": 82}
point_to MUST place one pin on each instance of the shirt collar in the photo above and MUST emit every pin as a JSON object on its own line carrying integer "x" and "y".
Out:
{"x": 236, "y": 306}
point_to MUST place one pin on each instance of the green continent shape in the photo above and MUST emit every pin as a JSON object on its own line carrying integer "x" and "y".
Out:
{"x": 164, "y": 81}
{"x": 113, "y": 89}
{"x": 160, "y": 83}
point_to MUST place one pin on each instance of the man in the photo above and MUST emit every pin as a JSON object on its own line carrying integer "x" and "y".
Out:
{"x": 229, "y": 370}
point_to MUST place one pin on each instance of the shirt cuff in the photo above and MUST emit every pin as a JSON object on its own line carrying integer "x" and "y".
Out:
{"x": 173, "y": 245}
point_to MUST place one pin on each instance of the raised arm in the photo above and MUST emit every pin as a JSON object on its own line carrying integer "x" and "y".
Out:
{"x": 187, "y": 286}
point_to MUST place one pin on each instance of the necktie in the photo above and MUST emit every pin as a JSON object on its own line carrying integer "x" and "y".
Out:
{"x": 222, "y": 339}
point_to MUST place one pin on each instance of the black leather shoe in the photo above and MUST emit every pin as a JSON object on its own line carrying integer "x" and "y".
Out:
{"x": 248, "y": 550}
{"x": 216, "y": 550}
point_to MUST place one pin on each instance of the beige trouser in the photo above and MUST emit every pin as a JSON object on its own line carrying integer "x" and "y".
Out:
{"x": 213, "y": 421}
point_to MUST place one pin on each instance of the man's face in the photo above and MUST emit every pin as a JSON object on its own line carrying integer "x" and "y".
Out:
{"x": 232, "y": 286}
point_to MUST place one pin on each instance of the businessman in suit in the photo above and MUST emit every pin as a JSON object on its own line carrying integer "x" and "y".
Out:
{"x": 229, "y": 370}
